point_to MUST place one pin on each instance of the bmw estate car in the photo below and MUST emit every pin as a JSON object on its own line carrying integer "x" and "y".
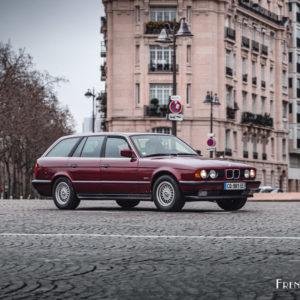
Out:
{"x": 134, "y": 167}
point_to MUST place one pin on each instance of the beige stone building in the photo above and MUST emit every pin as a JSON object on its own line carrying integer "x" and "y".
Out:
{"x": 238, "y": 50}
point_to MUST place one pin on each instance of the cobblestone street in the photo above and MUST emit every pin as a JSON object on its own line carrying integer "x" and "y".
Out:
{"x": 100, "y": 251}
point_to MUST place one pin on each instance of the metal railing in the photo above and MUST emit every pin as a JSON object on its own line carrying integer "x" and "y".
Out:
{"x": 245, "y": 42}
{"x": 162, "y": 68}
{"x": 264, "y": 50}
{"x": 155, "y": 111}
{"x": 257, "y": 119}
{"x": 230, "y": 33}
{"x": 255, "y": 46}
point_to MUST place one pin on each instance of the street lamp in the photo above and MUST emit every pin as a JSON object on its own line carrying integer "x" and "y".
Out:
{"x": 165, "y": 39}
{"x": 89, "y": 94}
{"x": 213, "y": 100}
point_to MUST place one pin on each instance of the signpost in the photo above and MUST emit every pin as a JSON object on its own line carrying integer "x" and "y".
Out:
{"x": 175, "y": 109}
{"x": 211, "y": 143}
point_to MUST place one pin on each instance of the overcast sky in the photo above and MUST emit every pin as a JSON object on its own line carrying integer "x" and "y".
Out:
{"x": 63, "y": 36}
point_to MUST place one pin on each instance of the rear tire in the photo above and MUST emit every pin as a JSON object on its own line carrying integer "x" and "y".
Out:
{"x": 231, "y": 204}
{"x": 167, "y": 195}
{"x": 126, "y": 204}
{"x": 64, "y": 196}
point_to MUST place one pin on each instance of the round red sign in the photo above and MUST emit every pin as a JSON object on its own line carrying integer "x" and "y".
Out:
{"x": 175, "y": 107}
{"x": 211, "y": 142}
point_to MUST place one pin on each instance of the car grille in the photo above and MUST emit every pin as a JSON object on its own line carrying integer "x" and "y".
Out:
{"x": 232, "y": 174}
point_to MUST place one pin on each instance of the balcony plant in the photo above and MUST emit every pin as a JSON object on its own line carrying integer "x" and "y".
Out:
{"x": 154, "y": 105}
{"x": 154, "y": 27}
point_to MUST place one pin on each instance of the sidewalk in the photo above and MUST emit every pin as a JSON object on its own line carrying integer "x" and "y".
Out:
{"x": 276, "y": 197}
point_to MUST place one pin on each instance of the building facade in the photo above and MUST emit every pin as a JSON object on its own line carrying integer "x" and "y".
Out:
{"x": 239, "y": 51}
{"x": 294, "y": 97}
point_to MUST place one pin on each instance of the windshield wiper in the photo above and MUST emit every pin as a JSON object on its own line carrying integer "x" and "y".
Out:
{"x": 158, "y": 154}
{"x": 182, "y": 153}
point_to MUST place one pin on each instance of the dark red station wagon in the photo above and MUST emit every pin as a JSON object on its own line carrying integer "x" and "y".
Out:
{"x": 131, "y": 167}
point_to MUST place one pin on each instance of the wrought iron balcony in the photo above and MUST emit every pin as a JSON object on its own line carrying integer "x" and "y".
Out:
{"x": 263, "y": 84}
{"x": 230, "y": 33}
{"x": 264, "y": 50}
{"x": 245, "y": 42}
{"x": 263, "y": 12}
{"x": 103, "y": 73}
{"x": 298, "y": 42}
{"x": 231, "y": 113}
{"x": 298, "y": 118}
{"x": 228, "y": 71}
{"x": 298, "y": 68}
{"x": 103, "y": 49}
{"x": 255, "y": 155}
{"x": 245, "y": 154}
{"x": 154, "y": 27}
{"x": 298, "y": 143}
{"x": 255, "y": 46}
{"x": 298, "y": 17}
{"x": 264, "y": 156}
{"x": 228, "y": 152}
{"x": 155, "y": 111}
{"x": 245, "y": 77}
{"x": 298, "y": 93}
{"x": 256, "y": 119}
{"x": 163, "y": 67}
{"x": 254, "y": 80}
{"x": 103, "y": 25}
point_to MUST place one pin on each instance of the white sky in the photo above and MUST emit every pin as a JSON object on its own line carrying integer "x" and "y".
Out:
{"x": 63, "y": 36}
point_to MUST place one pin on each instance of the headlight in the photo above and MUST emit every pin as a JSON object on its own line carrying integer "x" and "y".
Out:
{"x": 213, "y": 174}
{"x": 252, "y": 173}
{"x": 201, "y": 174}
{"x": 246, "y": 173}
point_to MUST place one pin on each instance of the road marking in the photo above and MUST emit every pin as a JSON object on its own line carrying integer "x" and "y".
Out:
{"x": 229, "y": 237}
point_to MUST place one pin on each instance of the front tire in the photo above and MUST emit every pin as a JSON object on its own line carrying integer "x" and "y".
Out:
{"x": 167, "y": 195}
{"x": 64, "y": 196}
{"x": 127, "y": 204}
{"x": 231, "y": 204}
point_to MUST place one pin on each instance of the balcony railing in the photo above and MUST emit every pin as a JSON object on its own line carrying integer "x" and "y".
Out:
{"x": 245, "y": 77}
{"x": 230, "y": 33}
{"x": 256, "y": 119}
{"x": 255, "y": 155}
{"x": 228, "y": 71}
{"x": 103, "y": 25}
{"x": 228, "y": 152}
{"x": 264, "y": 156}
{"x": 256, "y": 8}
{"x": 245, "y": 42}
{"x": 298, "y": 143}
{"x": 298, "y": 118}
{"x": 245, "y": 154}
{"x": 263, "y": 84}
{"x": 155, "y": 111}
{"x": 298, "y": 17}
{"x": 103, "y": 49}
{"x": 162, "y": 68}
{"x": 298, "y": 42}
{"x": 254, "y": 80}
{"x": 231, "y": 113}
{"x": 264, "y": 50}
{"x": 298, "y": 93}
{"x": 153, "y": 27}
{"x": 103, "y": 73}
{"x": 298, "y": 68}
{"x": 255, "y": 46}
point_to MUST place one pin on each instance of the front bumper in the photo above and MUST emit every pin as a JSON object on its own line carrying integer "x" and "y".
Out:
{"x": 214, "y": 190}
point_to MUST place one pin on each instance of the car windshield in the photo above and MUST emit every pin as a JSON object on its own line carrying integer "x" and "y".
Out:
{"x": 161, "y": 145}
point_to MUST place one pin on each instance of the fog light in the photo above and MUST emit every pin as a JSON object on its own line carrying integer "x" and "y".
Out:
{"x": 252, "y": 173}
{"x": 202, "y": 193}
{"x": 246, "y": 174}
{"x": 213, "y": 174}
{"x": 203, "y": 174}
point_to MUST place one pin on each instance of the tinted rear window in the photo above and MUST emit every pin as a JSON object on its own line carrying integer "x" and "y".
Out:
{"x": 63, "y": 148}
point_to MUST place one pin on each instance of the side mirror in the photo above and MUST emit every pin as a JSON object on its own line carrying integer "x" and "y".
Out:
{"x": 127, "y": 153}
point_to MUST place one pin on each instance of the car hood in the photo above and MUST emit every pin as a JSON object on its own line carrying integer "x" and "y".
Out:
{"x": 196, "y": 162}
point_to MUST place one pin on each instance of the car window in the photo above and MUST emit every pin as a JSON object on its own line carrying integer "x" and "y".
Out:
{"x": 63, "y": 148}
{"x": 92, "y": 146}
{"x": 114, "y": 146}
{"x": 78, "y": 150}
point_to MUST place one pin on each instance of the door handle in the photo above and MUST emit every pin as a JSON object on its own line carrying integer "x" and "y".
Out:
{"x": 105, "y": 166}
{"x": 73, "y": 166}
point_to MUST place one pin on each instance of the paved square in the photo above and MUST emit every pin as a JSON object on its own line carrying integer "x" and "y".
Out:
{"x": 100, "y": 251}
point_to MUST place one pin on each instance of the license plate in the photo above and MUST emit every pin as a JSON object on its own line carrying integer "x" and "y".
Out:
{"x": 234, "y": 186}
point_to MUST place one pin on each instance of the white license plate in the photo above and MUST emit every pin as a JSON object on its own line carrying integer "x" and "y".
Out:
{"x": 234, "y": 186}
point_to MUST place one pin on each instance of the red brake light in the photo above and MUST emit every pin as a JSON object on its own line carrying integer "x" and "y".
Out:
{"x": 36, "y": 169}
